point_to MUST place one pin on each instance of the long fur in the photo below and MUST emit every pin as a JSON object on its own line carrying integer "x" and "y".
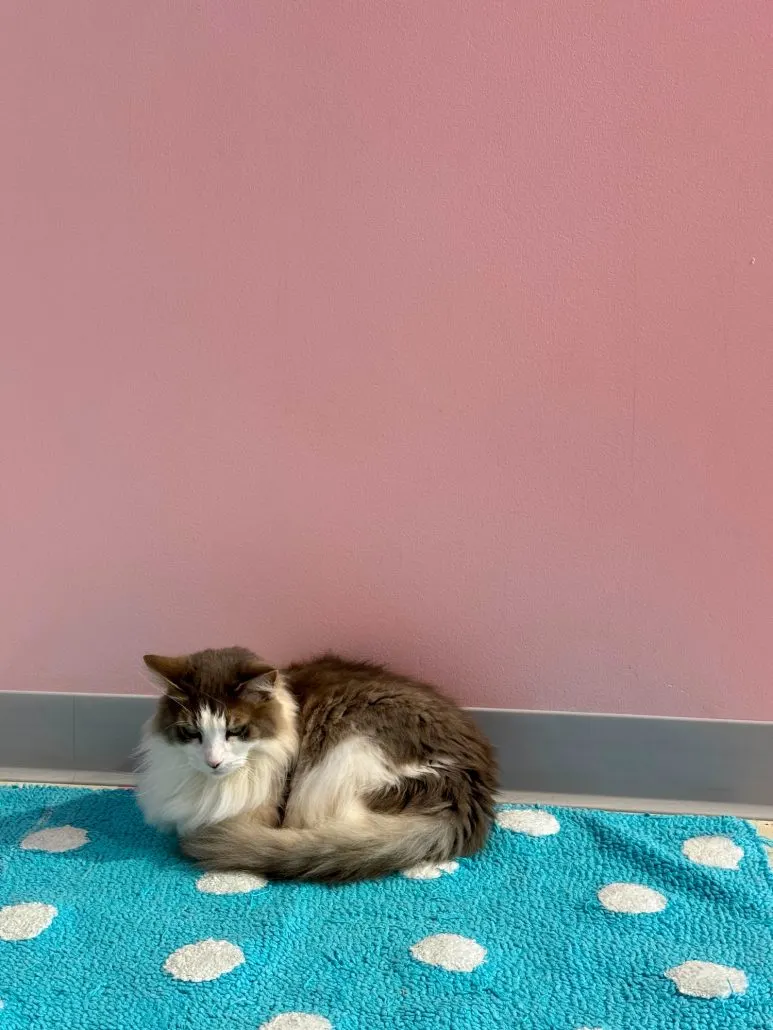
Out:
{"x": 338, "y": 852}
{"x": 367, "y": 772}
{"x": 173, "y": 796}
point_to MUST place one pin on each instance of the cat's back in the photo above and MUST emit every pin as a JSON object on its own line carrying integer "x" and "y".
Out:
{"x": 337, "y": 696}
{"x": 337, "y": 680}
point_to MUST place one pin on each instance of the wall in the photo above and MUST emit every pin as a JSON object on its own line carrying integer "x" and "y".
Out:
{"x": 439, "y": 333}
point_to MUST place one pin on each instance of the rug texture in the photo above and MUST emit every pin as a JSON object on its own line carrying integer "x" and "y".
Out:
{"x": 569, "y": 920}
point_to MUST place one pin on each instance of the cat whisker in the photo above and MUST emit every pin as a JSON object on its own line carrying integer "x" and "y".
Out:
{"x": 149, "y": 679}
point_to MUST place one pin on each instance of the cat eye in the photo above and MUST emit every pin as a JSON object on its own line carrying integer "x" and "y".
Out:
{"x": 242, "y": 732}
{"x": 186, "y": 734}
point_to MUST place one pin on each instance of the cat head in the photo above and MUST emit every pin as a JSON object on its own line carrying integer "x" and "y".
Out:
{"x": 217, "y": 706}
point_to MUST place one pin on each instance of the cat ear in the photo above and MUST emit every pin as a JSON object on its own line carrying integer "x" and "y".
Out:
{"x": 170, "y": 671}
{"x": 260, "y": 683}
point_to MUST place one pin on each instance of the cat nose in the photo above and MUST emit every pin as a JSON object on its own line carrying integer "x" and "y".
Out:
{"x": 213, "y": 763}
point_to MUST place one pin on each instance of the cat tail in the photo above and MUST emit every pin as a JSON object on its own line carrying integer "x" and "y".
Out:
{"x": 339, "y": 852}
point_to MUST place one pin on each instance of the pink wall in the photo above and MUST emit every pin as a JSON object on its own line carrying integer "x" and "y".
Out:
{"x": 441, "y": 333}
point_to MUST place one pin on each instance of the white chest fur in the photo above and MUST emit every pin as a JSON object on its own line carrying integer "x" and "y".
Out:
{"x": 175, "y": 796}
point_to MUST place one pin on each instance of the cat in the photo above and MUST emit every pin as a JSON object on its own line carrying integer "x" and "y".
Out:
{"x": 328, "y": 770}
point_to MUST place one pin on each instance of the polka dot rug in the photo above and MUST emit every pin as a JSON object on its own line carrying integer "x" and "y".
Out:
{"x": 570, "y": 920}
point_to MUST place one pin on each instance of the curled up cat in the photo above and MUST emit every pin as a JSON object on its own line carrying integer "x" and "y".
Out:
{"x": 328, "y": 770}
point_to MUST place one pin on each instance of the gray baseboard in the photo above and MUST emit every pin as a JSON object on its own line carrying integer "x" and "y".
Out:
{"x": 92, "y": 737}
{"x": 702, "y": 760}
{"x": 68, "y": 732}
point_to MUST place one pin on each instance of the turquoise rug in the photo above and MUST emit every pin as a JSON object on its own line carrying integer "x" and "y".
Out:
{"x": 569, "y": 920}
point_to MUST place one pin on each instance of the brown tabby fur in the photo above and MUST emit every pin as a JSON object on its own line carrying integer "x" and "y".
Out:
{"x": 414, "y": 725}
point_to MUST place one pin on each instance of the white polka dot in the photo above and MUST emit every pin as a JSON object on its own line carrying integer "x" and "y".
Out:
{"x": 532, "y": 821}
{"x": 430, "y": 871}
{"x": 55, "y": 839}
{"x": 205, "y": 960}
{"x": 450, "y": 951}
{"x": 708, "y": 980}
{"x": 25, "y": 921}
{"x": 719, "y": 852}
{"x": 297, "y": 1021}
{"x": 230, "y": 883}
{"x": 633, "y": 898}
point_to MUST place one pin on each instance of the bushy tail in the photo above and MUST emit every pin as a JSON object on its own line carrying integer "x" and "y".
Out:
{"x": 336, "y": 853}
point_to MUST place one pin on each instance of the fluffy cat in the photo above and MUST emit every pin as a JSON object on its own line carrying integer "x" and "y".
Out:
{"x": 328, "y": 770}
